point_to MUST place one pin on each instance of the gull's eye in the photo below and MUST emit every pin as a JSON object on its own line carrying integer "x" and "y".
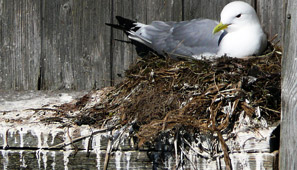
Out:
{"x": 238, "y": 16}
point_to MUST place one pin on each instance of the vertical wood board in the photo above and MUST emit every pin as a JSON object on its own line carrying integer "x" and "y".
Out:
{"x": 288, "y": 141}
{"x": 122, "y": 52}
{"x": 210, "y": 9}
{"x": 75, "y": 44}
{"x": 271, "y": 14}
{"x": 20, "y": 44}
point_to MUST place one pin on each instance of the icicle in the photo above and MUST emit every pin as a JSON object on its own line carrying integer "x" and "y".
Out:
{"x": 22, "y": 160}
{"x": 118, "y": 155}
{"x": 54, "y": 160}
{"x": 259, "y": 161}
{"x": 5, "y": 159}
{"x": 38, "y": 157}
{"x": 128, "y": 157}
{"x": 66, "y": 158}
{"x": 44, "y": 157}
{"x": 3, "y": 133}
{"x": 96, "y": 145}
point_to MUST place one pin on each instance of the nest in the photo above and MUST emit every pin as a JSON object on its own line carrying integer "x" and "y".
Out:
{"x": 160, "y": 95}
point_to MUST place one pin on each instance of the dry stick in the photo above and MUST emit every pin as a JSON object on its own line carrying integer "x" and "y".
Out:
{"x": 63, "y": 144}
{"x": 70, "y": 137}
{"x": 46, "y": 109}
{"x": 6, "y": 140}
{"x": 183, "y": 151}
{"x": 223, "y": 144}
{"x": 107, "y": 155}
{"x": 275, "y": 111}
{"x": 226, "y": 154}
{"x": 274, "y": 37}
{"x": 164, "y": 121}
{"x": 90, "y": 144}
{"x": 72, "y": 144}
{"x": 214, "y": 79}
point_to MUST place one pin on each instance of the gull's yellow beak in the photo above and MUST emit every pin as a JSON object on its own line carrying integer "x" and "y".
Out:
{"x": 219, "y": 27}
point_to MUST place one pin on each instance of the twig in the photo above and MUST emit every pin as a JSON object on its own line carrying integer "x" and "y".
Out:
{"x": 90, "y": 144}
{"x": 72, "y": 144}
{"x": 45, "y": 109}
{"x": 61, "y": 145}
{"x": 221, "y": 139}
{"x": 275, "y": 111}
{"x": 264, "y": 55}
{"x": 215, "y": 83}
{"x": 107, "y": 155}
{"x": 164, "y": 121}
{"x": 70, "y": 137}
{"x": 274, "y": 37}
{"x": 6, "y": 140}
{"x": 182, "y": 150}
{"x": 226, "y": 154}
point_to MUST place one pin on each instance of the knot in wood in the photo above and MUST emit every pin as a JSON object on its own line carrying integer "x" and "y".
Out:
{"x": 66, "y": 6}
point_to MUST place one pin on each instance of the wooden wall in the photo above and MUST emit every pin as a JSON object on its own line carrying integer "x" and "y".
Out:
{"x": 64, "y": 44}
{"x": 288, "y": 134}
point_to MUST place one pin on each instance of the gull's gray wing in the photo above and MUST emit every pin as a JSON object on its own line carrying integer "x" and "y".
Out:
{"x": 184, "y": 38}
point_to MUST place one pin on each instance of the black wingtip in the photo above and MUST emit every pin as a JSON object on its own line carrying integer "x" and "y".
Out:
{"x": 126, "y": 23}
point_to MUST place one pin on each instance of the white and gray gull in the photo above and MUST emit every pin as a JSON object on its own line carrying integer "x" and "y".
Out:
{"x": 239, "y": 34}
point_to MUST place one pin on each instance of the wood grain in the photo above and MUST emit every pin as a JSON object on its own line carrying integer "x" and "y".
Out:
{"x": 270, "y": 14}
{"x": 288, "y": 133}
{"x": 19, "y": 44}
{"x": 75, "y": 45}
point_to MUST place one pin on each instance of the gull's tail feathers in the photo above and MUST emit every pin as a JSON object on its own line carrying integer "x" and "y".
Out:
{"x": 132, "y": 30}
{"x": 124, "y": 24}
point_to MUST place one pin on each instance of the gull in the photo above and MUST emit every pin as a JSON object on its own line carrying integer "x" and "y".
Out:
{"x": 238, "y": 34}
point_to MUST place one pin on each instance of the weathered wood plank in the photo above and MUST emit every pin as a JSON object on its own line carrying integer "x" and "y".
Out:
{"x": 51, "y": 160}
{"x": 164, "y": 10}
{"x": 271, "y": 16}
{"x": 20, "y": 44}
{"x": 288, "y": 133}
{"x": 135, "y": 160}
{"x": 75, "y": 45}
{"x": 206, "y": 9}
{"x": 123, "y": 54}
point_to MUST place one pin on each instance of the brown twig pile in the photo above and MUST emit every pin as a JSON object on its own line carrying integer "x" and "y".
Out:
{"x": 207, "y": 96}
{"x": 170, "y": 93}
{"x": 161, "y": 95}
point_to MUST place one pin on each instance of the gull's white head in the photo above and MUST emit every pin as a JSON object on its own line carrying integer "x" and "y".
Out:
{"x": 238, "y": 14}
{"x": 244, "y": 32}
